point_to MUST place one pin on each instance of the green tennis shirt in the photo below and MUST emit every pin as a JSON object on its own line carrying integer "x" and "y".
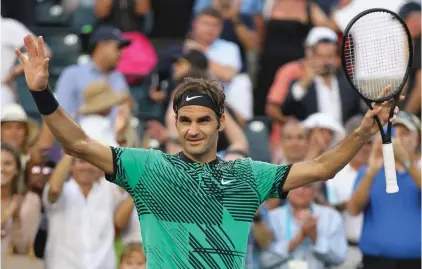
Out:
{"x": 195, "y": 216}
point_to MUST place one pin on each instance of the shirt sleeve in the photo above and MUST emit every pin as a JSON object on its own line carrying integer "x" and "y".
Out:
{"x": 128, "y": 166}
{"x": 269, "y": 179}
{"x": 66, "y": 91}
{"x": 17, "y": 31}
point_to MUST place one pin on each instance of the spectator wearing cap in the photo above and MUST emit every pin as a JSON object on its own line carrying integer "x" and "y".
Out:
{"x": 80, "y": 212}
{"x": 411, "y": 14}
{"x": 106, "y": 44}
{"x": 18, "y": 130}
{"x": 391, "y": 234}
{"x": 340, "y": 190}
{"x": 323, "y": 88}
{"x": 306, "y": 235}
{"x": 99, "y": 100}
{"x": 288, "y": 73}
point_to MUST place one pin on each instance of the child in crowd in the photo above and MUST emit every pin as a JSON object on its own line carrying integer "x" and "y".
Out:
{"x": 133, "y": 257}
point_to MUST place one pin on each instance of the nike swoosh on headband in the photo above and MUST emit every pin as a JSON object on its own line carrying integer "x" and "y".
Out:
{"x": 191, "y": 98}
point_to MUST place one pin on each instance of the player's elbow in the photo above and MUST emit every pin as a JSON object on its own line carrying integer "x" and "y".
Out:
{"x": 323, "y": 172}
{"x": 77, "y": 149}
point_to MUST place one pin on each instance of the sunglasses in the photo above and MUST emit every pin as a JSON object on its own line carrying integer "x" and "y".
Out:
{"x": 36, "y": 170}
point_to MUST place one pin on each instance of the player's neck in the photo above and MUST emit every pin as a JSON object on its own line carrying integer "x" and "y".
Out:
{"x": 203, "y": 158}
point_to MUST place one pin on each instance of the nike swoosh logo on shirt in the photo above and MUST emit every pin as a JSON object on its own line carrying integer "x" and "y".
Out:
{"x": 225, "y": 182}
{"x": 191, "y": 98}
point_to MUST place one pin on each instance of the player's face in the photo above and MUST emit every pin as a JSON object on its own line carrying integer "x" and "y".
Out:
{"x": 302, "y": 196}
{"x": 13, "y": 133}
{"x": 85, "y": 173}
{"x": 9, "y": 168}
{"x": 206, "y": 29}
{"x": 295, "y": 142}
{"x": 407, "y": 138}
{"x": 198, "y": 129}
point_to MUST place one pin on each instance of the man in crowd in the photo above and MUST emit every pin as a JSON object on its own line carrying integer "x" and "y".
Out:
{"x": 323, "y": 88}
{"x": 391, "y": 235}
{"x": 80, "y": 215}
{"x": 306, "y": 235}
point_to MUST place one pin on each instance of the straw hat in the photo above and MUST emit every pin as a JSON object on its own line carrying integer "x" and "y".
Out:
{"x": 99, "y": 97}
{"x": 15, "y": 113}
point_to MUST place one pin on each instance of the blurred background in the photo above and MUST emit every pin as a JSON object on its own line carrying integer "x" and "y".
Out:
{"x": 114, "y": 66}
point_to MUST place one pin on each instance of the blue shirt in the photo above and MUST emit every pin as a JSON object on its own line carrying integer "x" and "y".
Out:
{"x": 330, "y": 247}
{"x": 392, "y": 222}
{"x": 248, "y": 6}
{"x": 74, "y": 79}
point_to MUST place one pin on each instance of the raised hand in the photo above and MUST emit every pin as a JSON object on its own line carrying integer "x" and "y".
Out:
{"x": 36, "y": 65}
{"x": 369, "y": 126}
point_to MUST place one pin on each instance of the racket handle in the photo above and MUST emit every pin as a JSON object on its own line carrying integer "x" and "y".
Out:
{"x": 390, "y": 168}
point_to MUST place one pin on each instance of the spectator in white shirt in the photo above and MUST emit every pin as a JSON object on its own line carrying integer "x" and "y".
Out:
{"x": 340, "y": 190}
{"x": 80, "y": 213}
{"x": 306, "y": 235}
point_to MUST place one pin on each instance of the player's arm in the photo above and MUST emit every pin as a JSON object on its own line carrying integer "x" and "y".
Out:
{"x": 328, "y": 164}
{"x": 73, "y": 139}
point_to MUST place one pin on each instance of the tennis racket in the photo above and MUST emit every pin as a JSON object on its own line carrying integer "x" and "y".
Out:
{"x": 377, "y": 52}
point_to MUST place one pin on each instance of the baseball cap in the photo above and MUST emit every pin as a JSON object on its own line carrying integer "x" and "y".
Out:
{"x": 318, "y": 34}
{"x": 104, "y": 33}
{"x": 196, "y": 58}
{"x": 408, "y": 120}
{"x": 408, "y": 8}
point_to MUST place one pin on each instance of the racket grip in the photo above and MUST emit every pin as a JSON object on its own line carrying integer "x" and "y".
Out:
{"x": 390, "y": 168}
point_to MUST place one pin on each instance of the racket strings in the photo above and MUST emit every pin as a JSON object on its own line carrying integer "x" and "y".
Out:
{"x": 376, "y": 55}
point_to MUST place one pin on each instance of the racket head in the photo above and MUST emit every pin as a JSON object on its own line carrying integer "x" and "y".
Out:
{"x": 377, "y": 51}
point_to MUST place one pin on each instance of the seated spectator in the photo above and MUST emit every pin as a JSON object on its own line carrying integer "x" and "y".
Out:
{"x": 391, "y": 234}
{"x": 99, "y": 99}
{"x": 11, "y": 193}
{"x": 128, "y": 16}
{"x": 340, "y": 190}
{"x": 36, "y": 176}
{"x": 287, "y": 74}
{"x": 80, "y": 213}
{"x": 18, "y": 130}
{"x": 133, "y": 257}
{"x": 106, "y": 45}
{"x": 323, "y": 88}
{"x": 306, "y": 235}
{"x": 294, "y": 146}
{"x": 260, "y": 237}
{"x": 14, "y": 32}
{"x": 249, "y": 8}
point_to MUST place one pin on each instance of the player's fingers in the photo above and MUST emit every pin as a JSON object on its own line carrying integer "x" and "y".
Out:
{"x": 384, "y": 92}
{"x": 40, "y": 48}
{"x": 396, "y": 110}
{"x": 31, "y": 48}
{"x": 21, "y": 57}
{"x": 402, "y": 97}
{"x": 45, "y": 64}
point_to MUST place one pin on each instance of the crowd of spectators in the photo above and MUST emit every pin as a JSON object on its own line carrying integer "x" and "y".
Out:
{"x": 114, "y": 66}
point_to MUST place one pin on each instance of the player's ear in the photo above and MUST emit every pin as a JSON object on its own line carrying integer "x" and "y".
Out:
{"x": 222, "y": 122}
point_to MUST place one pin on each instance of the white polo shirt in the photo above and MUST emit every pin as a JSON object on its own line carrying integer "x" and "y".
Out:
{"x": 81, "y": 230}
{"x": 340, "y": 189}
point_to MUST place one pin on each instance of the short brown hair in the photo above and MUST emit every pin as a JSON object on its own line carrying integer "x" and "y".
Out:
{"x": 212, "y": 88}
{"x": 210, "y": 11}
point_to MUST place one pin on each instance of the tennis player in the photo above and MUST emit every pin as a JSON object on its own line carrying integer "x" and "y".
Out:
{"x": 195, "y": 209}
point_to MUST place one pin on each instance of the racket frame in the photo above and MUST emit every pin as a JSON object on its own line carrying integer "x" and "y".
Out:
{"x": 385, "y": 136}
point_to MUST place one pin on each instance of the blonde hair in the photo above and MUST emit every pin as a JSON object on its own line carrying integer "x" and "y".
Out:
{"x": 130, "y": 248}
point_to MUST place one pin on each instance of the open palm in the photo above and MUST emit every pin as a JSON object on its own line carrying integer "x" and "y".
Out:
{"x": 36, "y": 65}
